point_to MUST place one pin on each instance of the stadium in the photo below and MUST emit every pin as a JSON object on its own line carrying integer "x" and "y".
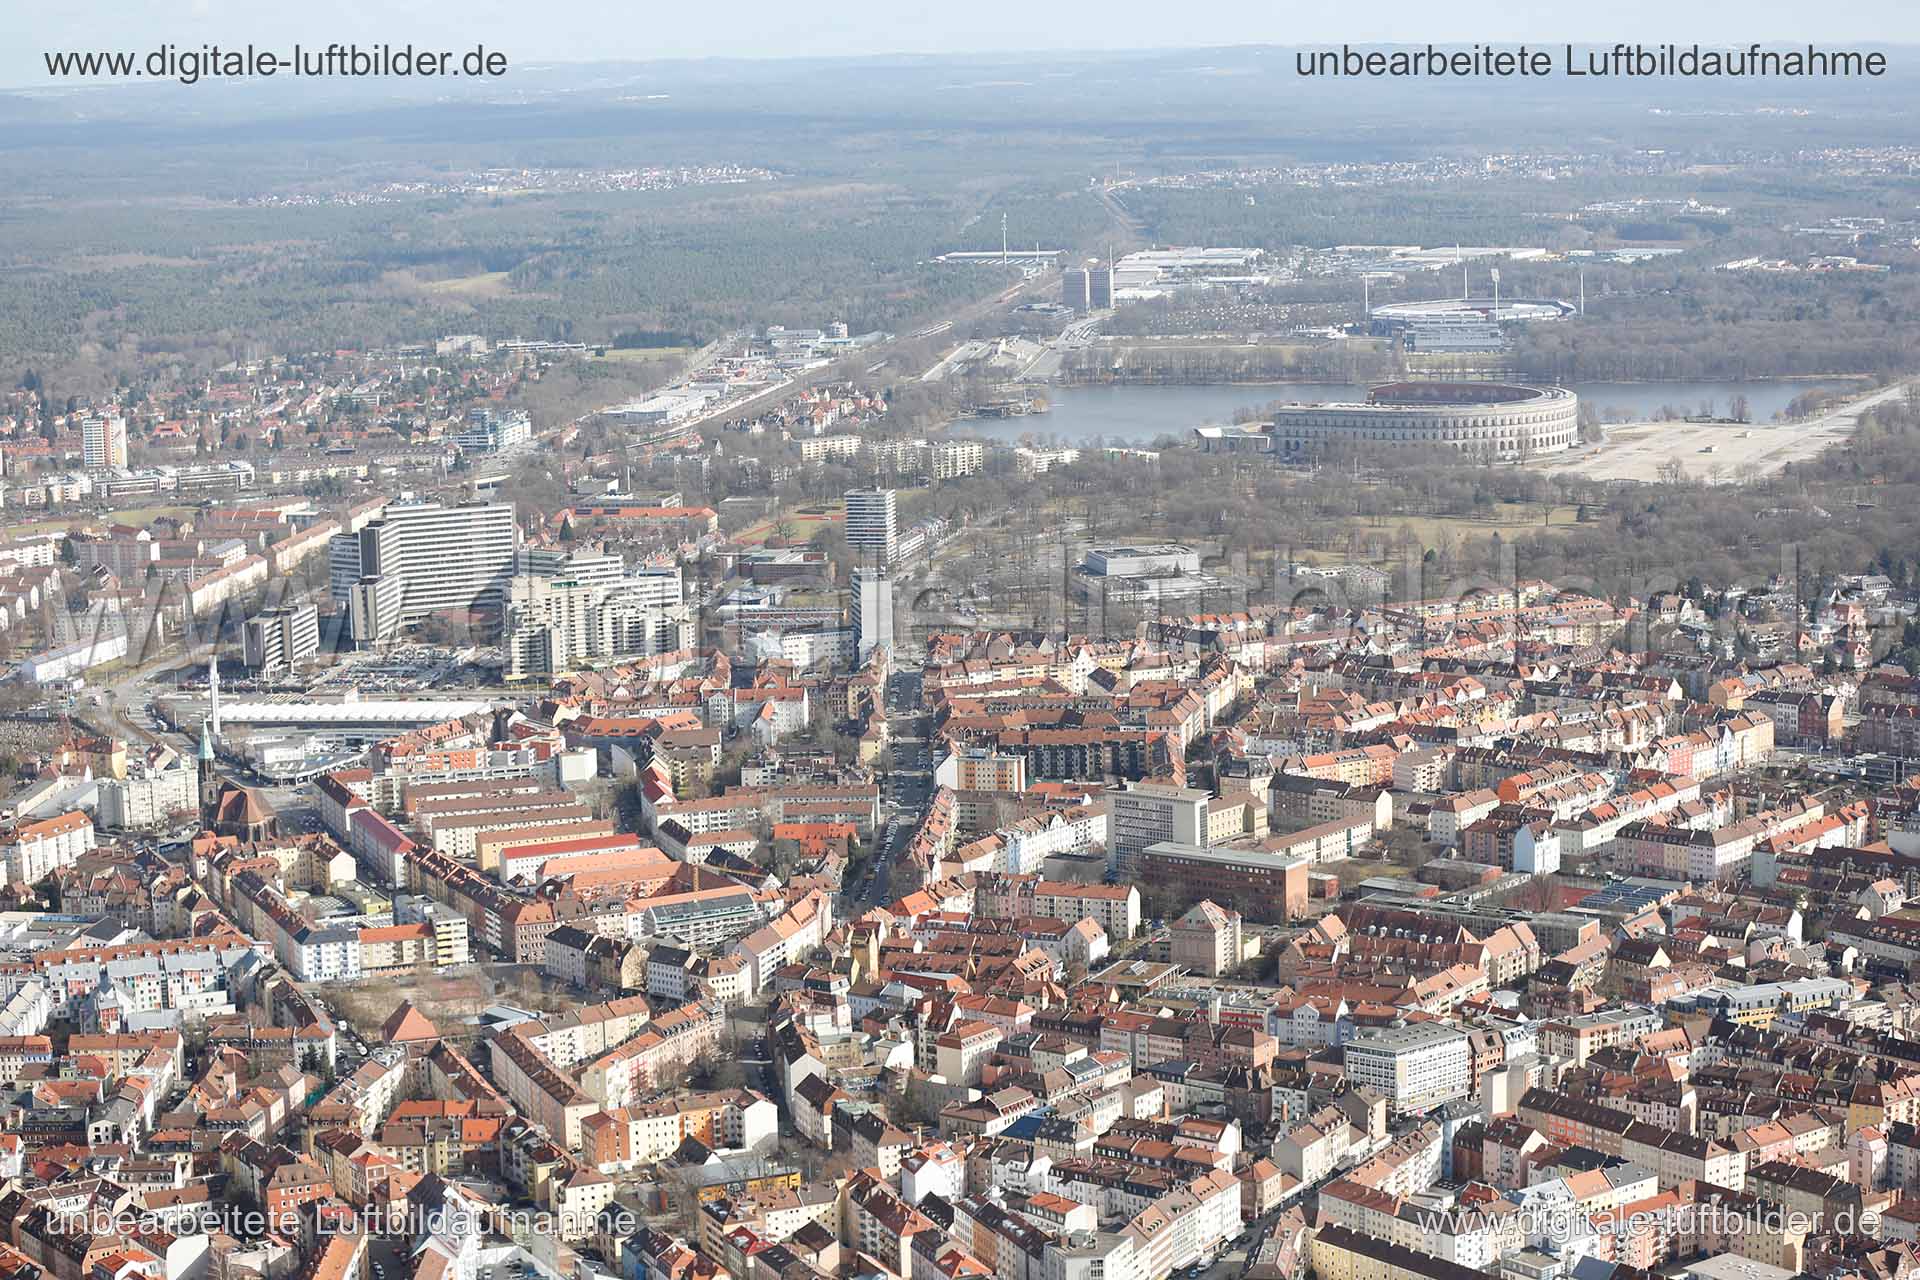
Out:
{"x": 1499, "y": 311}
{"x": 1483, "y": 418}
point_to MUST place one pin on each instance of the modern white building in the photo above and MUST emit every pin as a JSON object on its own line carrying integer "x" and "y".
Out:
{"x": 583, "y": 564}
{"x": 1139, "y": 561}
{"x": 316, "y": 954}
{"x": 667, "y": 407}
{"x": 951, "y": 459}
{"x": 373, "y": 608}
{"x": 69, "y": 660}
{"x": 103, "y": 441}
{"x": 343, "y": 565}
{"x": 873, "y": 524}
{"x": 275, "y": 639}
{"x": 1152, "y": 576}
{"x": 873, "y": 609}
{"x": 555, "y": 623}
{"x": 146, "y": 802}
{"x": 804, "y": 647}
{"x": 1416, "y": 1066}
{"x": 1148, "y": 813}
{"x": 444, "y": 559}
{"x": 489, "y": 431}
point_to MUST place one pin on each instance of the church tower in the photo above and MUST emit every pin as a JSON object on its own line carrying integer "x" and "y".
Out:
{"x": 209, "y": 780}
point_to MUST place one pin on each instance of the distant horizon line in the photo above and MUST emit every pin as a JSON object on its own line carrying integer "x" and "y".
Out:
{"x": 1026, "y": 54}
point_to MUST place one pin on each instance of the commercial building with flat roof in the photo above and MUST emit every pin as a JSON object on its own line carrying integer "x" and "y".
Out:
{"x": 1133, "y": 561}
{"x": 873, "y": 524}
{"x": 275, "y": 639}
{"x": 1416, "y": 1066}
{"x": 1259, "y": 885}
{"x": 1148, "y": 813}
{"x": 421, "y": 559}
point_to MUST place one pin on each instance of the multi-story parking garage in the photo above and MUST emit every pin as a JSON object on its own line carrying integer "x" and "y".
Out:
{"x": 1473, "y": 417}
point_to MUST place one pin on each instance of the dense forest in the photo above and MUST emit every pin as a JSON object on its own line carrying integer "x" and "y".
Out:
{"x": 131, "y": 237}
{"x": 1694, "y": 321}
{"x": 575, "y": 268}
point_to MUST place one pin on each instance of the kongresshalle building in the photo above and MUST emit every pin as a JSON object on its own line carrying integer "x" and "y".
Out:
{"x": 1481, "y": 418}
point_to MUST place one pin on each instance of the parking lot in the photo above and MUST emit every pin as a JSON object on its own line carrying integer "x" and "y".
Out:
{"x": 407, "y": 668}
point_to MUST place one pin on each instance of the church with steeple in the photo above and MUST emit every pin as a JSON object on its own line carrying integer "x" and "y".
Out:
{"x": 227, "y": 808}
{"x": 208, "y": 778}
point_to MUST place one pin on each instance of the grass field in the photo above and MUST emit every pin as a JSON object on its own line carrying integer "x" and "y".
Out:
{"x": 487, "y": 284}
{"x": 1504, "y": 518}
{"x": 1509, "y": 519}
{"x": 135, "y": 516}
{"x": 799, "y": 525}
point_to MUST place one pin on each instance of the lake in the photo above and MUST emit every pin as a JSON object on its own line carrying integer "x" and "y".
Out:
{"x": 1139, "y": 413}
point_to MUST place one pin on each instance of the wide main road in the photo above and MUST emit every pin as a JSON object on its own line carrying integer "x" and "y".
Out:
{"x": 904, "y": 792}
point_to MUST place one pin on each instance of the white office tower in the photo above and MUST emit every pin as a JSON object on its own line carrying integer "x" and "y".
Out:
{"x": 872, "y": 527}
{"x": 275, "y": 639}
{"x": 582, "y": 564}
{"x": 558, "y": 624}
{"x": 373, "y": 609}
{"x": 873, "y": 610}
{"x": 655, "y": 583}
{"x": 103, "y": 441}
{"x": 445, "y": 559}
{"x": 490, "y": 431}
{"x": 343, "y": 565}
{"x": 1416, "y": 1066}
{"x": 1149, "y": 813}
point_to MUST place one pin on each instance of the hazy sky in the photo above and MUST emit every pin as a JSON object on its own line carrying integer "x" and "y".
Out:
{"x": 574, "y": 30}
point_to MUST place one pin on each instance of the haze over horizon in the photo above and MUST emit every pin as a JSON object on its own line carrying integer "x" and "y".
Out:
{"x": 601, "y": 30}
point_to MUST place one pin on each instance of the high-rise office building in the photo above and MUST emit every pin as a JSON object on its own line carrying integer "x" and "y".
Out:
{"x": 275, "y": 639}
{"x": 373, "y": 608}
{"x": 1075, "y": 289}
{"x": 1148, "y": 813}
{"x": 103, "y": 441}
{"x": 581, "y": 564}
{"x": 555, "y": 624}
{"x": 872, "y": 525}
{"x": 444, "y": 559}
{"x": 1100, "y": 289}
{"x": 873, "y": 609}
{"x": 343, "y": 566}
